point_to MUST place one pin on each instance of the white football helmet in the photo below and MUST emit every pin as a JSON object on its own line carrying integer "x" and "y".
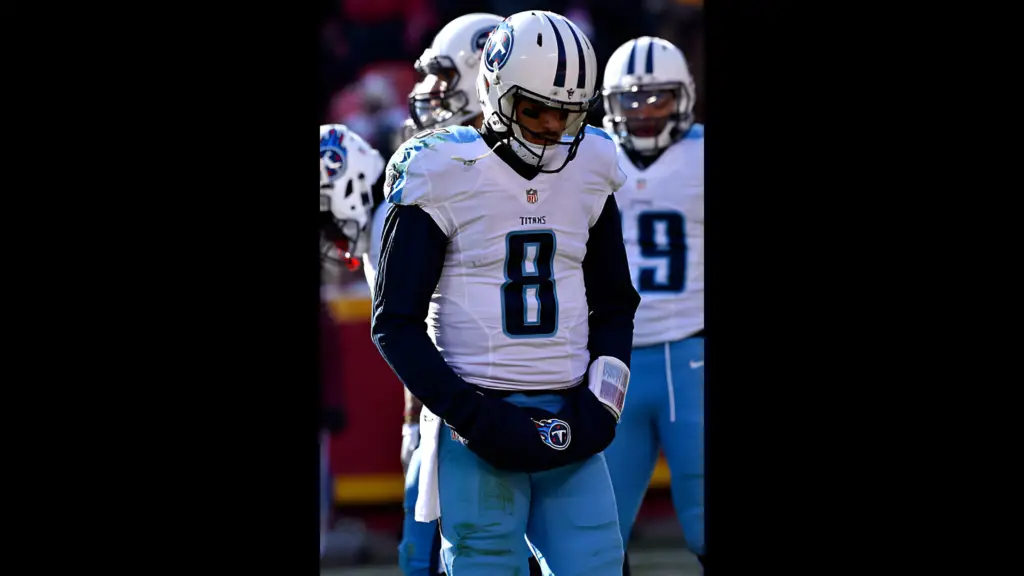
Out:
{"x": 641, "y": 76}
{"x": 544, "y": 57}
{"x": 348, "y": 168}
{"x": 444, "y": 95}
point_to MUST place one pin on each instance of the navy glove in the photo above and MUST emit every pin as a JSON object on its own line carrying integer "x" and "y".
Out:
{"x": 593, "y": 426}
{"x": 505, "y": 435}
{"x": 526, "y": 439}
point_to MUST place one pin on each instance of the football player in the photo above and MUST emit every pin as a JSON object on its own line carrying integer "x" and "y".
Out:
{"x": 506, "y": 243}
{"x": 649, "y": 95}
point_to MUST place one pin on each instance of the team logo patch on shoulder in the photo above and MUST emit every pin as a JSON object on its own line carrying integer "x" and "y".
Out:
{"x": 531, "y": 196}
{"x": 554, "y": 432}
{"x": 332, "y": 156}
{"x": 498, "y": 47}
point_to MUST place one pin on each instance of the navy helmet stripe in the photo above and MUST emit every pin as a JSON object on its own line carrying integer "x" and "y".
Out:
{"x": 632, "y": 59}
{"x": 560, "y": 68}
{"x": 650, "y": 56}
{"x": 581, "y": 79}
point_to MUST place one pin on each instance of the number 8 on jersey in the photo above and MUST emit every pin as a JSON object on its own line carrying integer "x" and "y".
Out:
{"x": 528, "y": 296}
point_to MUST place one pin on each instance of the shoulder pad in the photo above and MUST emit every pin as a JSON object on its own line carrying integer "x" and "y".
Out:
{"x": 693, "y": 142}
{"x": 606, "y": 156}
{"x": 595, "y": 131}
{"x": 410, "y": 168}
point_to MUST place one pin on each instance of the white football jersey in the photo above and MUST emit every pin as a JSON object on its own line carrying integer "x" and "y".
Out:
{"x": 510, "y": 310}
{"x": 663, "y": 226}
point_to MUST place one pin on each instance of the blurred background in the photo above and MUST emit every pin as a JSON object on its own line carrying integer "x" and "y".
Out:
{"x": 367, "y": 50}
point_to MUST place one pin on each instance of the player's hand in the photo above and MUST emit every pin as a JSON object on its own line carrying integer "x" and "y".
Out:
{"x": 592, "y": 422}
{"x": 410, "y": 442}
{"x": 527, "y": 439}
{"x": 592, "y": 410}
{"x": 506, "y": 436}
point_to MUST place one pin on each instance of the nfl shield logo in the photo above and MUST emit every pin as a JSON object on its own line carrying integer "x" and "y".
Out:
{"x": 531, "y": 196}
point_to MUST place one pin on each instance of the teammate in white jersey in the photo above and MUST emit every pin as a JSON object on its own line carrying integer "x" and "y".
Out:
{"x": 506, "y": 243}
{"x": 649, "y": 96}
{"x": 348, "y": 167}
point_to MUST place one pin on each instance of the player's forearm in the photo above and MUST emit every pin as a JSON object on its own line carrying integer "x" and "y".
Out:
{"x": 610, "y": 294}
{"x": 411, "y": 354}
{"x": 406, "y": 347}
{"x": 412, "y": 255}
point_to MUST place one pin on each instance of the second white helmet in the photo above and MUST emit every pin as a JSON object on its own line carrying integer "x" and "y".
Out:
{"x": 444, "y": 95}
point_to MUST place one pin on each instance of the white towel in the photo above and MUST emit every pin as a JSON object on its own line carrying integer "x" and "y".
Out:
{"x": 428, "y": 499}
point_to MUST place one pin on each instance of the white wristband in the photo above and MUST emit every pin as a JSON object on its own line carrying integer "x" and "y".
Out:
{"x": 409, "y": 429}
{"x": 608, "y": 379}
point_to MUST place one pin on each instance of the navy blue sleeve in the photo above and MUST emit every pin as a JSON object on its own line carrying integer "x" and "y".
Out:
{"x": 411, "y": 258}
{"x": 610, "y": 294}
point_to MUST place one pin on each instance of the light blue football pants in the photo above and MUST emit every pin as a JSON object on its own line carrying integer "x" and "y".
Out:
{"x": 568, "y": 513}
{"x": 664, "y": 409}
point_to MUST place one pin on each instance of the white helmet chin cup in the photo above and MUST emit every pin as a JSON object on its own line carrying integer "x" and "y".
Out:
{"x": 455, "y": 53}
{"x": 539, "y": 155}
